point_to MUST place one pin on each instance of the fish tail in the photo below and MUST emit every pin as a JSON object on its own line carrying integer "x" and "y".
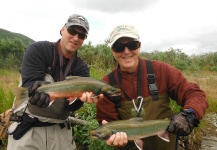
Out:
{"x": 164, "y": 136}
{"x": 21, "y": 95}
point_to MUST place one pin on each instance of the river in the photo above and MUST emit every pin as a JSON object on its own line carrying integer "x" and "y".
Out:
{"x": 209, "y": 140}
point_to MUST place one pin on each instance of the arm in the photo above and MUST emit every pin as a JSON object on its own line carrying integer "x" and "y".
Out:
{"x": 186, "y": 94}
{"x": 189, "y": 96}
{"x": 106, "y": 109}
{"x": 34, "y": 67}
{"x": 34, "y": 64}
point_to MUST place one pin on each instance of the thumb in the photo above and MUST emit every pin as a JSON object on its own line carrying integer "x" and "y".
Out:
{"x": 104, "y": 122}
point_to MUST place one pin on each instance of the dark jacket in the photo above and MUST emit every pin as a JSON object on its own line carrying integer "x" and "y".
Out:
{"x": 42, "y": 57}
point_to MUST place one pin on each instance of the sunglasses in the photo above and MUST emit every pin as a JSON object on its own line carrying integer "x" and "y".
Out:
{"x": 132, "y": 45}
{"x": 73, "y": 32}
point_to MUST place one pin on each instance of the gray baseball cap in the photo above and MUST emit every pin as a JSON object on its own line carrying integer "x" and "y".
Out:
{"x": 123, "y": 30}
{"x": 77, "y": 20}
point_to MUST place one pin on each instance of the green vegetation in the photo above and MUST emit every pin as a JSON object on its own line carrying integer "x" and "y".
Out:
{"x": 201, "y": 69}
{"x": 4, "y": 34}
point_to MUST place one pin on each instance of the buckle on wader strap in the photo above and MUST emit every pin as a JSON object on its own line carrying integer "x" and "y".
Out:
{"x": 151, "y": 81}
{"x": 152, "y": 86}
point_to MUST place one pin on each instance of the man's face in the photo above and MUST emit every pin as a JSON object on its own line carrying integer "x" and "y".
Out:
{"x": 72, "y": 39}
{"x": 128, "y": 56}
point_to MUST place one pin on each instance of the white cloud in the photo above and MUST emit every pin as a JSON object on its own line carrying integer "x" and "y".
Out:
{"x": 185, "y": 24}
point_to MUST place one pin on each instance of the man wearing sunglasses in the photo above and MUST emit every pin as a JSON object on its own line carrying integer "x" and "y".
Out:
{"x": 147, "y": 87}
{"x": 39, "y": 126}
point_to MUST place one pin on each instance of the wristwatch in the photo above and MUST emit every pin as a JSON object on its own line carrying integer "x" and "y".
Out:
{"x": 189, "y": 111}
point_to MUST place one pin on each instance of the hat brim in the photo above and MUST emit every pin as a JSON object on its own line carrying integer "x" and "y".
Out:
{"x": 76, "y": 24}
{"x": 123, "y": 35}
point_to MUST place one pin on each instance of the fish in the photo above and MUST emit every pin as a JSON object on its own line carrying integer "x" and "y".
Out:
{"x": 135, "y": 128}
{"x": 77, "y": 121}
{"x": 71, "y": 88}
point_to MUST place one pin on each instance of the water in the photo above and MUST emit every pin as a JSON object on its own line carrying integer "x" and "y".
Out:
{"x": 209, "y": 143}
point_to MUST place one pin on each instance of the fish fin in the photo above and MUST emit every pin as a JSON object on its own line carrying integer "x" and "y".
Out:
{"x": 137, "y": 119}
{"x": 51, "y": 102}
{"x": 72, "y": 77}
{"x": 164, "y": 136}
{"x": 114, "y": 131}
{"x": 139, "y": 144}
{"x": 72, "y": 100}
{"x": 21, "y": 95}
{"x": 166, "y": 119}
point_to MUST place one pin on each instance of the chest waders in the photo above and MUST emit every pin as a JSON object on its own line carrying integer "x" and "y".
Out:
{"x": 145, "y": 107}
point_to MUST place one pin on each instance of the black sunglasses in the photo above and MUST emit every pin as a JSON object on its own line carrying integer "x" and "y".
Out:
{"x": 73, "y": 32}
{"x": 132, "y": 45}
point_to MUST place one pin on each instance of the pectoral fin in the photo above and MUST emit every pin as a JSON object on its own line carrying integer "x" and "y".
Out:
{"x": 164, "y": 136}
{"x": 139, "y": 144}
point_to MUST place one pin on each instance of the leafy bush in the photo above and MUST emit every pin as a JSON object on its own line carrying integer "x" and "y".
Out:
{"x": 81, "y": 133}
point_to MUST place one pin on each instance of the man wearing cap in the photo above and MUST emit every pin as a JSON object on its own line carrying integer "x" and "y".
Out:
{"x": 147, "y": 87}
{"x": 42, "y": 127}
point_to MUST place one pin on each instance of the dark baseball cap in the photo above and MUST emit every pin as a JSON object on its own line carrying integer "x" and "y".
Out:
{"x": 77, "y": 20}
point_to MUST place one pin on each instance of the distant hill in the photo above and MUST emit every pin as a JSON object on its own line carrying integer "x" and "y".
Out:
{"x": 11, "y": 35}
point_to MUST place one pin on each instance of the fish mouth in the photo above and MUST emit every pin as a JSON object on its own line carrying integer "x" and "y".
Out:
{"x": 93, "y": 135}
{"x": 116, "y": 92}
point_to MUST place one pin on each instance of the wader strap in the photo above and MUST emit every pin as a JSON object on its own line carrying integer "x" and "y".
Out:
{"x": 52, "y": 63}
{"x": 115, "y": 99}
{"x": 62, "y": 75}
{"x": 139, "y": 89}
{"x": 50, "y": 59}
{"x": 151, "y": 81}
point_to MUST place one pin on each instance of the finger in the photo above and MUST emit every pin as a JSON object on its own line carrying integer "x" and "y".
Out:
{"x": 104, "y": 122}
{"x": 34, "y": 99}
{"x": 83, "y": 98}
{"x": 125, "y": 140}
{"x": 117, "y": 139}
{"x": 35, "y": 85}
{"x": 41, "y": 100}
{"x": 110, "y": 140}
{"x": 101, "y": 96}
{"x": 89, "y": 97}
{"x": 95, "y": 100}
{"x": 47, "y": 101}
{"x": 121, "y": 140}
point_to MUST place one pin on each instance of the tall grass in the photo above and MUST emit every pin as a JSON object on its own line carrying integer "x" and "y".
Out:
{"x": 8, "y": 80}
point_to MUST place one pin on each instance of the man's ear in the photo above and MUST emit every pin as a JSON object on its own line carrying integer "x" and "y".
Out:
{"x": 62, "y": 29}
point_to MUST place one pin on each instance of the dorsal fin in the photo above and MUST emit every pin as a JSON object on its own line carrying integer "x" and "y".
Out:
{"x": 72, "y": 77}
{"x": 139, "y": 119}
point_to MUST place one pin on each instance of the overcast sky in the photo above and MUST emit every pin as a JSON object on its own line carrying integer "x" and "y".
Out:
{"x": 190, "y": 25}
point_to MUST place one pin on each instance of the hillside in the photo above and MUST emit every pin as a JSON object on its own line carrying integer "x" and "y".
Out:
{"x": 11, "y": 35}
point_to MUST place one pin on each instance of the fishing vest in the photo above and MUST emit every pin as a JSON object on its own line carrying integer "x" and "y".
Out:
{"x": 56, "y": 113}
{"x": 153, "y": 107}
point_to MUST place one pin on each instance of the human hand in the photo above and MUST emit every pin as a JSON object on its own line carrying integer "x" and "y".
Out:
{"x": 89, "y": 97}
{"x": 39, "y": 99}
{"x": 117, "y": 139}
{"x": 182, "y": 123}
